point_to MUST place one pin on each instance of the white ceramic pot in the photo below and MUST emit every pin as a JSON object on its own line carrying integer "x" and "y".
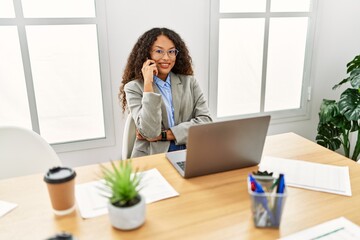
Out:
{"x": 127, "y": 218}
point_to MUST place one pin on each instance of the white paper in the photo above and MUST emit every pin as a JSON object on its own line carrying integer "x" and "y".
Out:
{"x": 314, "y": 176}
{"x": 6, "y": 207}
{"x": 91, "y": 203}
{"x": 339, "y": 228}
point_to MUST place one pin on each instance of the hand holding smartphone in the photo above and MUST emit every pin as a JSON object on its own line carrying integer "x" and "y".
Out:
{"x": 148, "y": 70}
{"x": 149, "y": 66}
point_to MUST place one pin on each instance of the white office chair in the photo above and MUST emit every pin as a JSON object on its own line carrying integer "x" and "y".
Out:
{"x": 24, "y": 152}
{"x": 129, "y": 137}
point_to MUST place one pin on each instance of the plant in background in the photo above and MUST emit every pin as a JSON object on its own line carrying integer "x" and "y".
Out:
{"x": 339, "y": 120}
{"x": 121, "y": 183}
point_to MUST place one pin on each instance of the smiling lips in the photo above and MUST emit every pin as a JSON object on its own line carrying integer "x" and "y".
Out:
{"x": 164, "y": 65}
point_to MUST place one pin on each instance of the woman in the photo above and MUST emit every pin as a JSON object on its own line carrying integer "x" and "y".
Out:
{"x": 159, "y": 89}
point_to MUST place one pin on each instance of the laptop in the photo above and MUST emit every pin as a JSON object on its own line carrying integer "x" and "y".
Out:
{"x": 221, "y": 146}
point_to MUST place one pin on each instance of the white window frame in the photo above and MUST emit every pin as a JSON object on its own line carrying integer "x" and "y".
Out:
{"x": 100, "y": 21}
{"x": 290, "y": 115}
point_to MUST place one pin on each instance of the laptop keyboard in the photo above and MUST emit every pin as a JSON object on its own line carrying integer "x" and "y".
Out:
{"x": 181, "y": 164}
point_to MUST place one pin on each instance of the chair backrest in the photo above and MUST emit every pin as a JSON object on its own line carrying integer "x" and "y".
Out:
{"x": 24, "y": 152}
{"x": 129, "y": 137}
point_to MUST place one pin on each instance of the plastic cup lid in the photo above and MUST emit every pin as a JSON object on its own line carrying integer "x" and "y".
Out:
{"x": 59, "y": 175}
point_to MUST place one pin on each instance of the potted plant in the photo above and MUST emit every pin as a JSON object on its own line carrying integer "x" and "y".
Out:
{"x": 339, "y": 120}
{"x": 126, "y": 206}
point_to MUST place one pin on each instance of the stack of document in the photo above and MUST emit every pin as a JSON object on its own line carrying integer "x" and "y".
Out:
{"x": 314, "y": 176}
{"x": 91, "y": 203}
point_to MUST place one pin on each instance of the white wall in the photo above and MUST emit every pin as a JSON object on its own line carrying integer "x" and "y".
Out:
{"x": 337, "y": 41}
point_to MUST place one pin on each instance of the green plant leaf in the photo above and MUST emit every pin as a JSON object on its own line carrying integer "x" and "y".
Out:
{"x": 353, "y": 68}
{"x": 122, "y": 183}
{"x": 328, "y": 110}
{"x": 328, "y": 136}
{"x": 353, "y": 64}
{"x": 330, "y": 125}
{"x": 341, "y": 83}
{"x": 349, "y": 104}
{"x": 355, "y": 126}
{"x": 355, "y": 78}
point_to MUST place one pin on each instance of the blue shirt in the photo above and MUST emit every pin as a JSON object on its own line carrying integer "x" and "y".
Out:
{"x": 165, "y": 90}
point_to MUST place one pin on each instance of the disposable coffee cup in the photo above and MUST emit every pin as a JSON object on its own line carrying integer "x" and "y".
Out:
{"x": 61, "y": 187}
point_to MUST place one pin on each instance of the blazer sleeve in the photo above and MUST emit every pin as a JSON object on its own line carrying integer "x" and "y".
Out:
{"x": 194, "y": 110}
{"x": 145, "y": 109}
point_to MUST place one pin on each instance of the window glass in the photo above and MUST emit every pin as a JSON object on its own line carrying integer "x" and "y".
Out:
{"x": 228, "y": 6}
{"x": 6, "y": 9}
{"x": 65, "y": 66}
{"x": 290, "y": 5}
{"x": 286, "y": 53}
{"x": 14, "y": 107}
{"x": 260, "y": 62}
{"x": 58, "y": 8}
{"x": 240, "y": 55}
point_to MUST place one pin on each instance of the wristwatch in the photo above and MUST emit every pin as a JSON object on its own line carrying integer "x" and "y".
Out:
{"x": 163, "y": 135}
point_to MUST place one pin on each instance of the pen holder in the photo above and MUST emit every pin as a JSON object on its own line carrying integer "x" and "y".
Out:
{"x": 267, "y": 208}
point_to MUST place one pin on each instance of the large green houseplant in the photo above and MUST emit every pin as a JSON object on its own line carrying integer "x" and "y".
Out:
{"x": 339, "y": 120}
{"x": 126, "y": 205}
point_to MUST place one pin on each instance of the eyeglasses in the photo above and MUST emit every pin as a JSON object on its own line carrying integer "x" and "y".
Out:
{"x": 158, "y": 53}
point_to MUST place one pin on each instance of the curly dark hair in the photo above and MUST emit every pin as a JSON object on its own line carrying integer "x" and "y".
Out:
{"x": 141, "y": 51}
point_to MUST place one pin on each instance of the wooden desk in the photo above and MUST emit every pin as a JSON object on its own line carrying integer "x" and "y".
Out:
{"x": 216, "y": 206}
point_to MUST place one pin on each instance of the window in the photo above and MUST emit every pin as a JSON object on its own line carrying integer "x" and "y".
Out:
{"x": 54, "y": 75}
{"x": 260, "y": 57}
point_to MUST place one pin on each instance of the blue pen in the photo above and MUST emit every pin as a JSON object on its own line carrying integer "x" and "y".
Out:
{"x": 258, "y": 187}
{"x": 280, "y": 190}
{"x": 281, "y": 184}
{"x": 261, "y": 199}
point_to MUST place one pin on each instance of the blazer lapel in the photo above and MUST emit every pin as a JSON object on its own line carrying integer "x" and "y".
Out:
{"x": 163, "y": 108}
{"x": 177, "y": 93}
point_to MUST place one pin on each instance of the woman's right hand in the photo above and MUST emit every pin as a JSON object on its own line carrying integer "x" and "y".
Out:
{"x": 140, "y": 137}
{"x": 148, "y": 70}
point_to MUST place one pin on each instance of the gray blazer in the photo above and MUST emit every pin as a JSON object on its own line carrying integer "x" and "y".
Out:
{"x": 149, "y": 112}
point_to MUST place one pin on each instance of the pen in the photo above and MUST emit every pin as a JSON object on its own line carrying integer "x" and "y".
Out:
{"x": 274, "y": 184}
{"x": 280, "y": 190}
{"x": 281, "y": 184}
{"x": 255, "y": 186}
